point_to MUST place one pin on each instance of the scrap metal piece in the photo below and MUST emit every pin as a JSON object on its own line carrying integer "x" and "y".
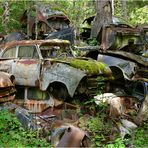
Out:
{"x": 120, "y": 104}
{"x": 26, "y": 118}
{"x": 7, "y": 89}
{"x": 126, "y": 128}
{"x": 69, "y": 136}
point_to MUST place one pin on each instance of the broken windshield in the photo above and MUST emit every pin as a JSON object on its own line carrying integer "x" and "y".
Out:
{"x": 49, "y": 51}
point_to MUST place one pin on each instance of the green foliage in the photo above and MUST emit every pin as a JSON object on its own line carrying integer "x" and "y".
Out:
{"x": 95, "y": 124}
{"x": 136, "y": 10}
{"x": 118, "y": 143}
{"x": 77, "y": 11}
{"x": 12, "y": 134}
{"x": 101, "y": 81}
{"x": 141, "y": 136}
{"x": 139, "y": 16}
{"x": 92, "y": 42}
{"x": 100, "y": 129}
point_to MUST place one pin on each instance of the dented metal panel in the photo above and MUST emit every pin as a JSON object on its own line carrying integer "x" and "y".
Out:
{"x": 6, "y": 65}
{"x": 27, "y": 72}
{"x": 127, "y": 67}
{"x": 62, "y": 73}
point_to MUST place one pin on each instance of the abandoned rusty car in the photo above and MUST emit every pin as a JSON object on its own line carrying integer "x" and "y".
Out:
{"x": 45, "y": 68}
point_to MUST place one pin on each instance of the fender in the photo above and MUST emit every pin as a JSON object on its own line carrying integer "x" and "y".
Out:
{"x": 62, "y": 73}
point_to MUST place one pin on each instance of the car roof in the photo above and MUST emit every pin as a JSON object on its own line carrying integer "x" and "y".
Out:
{"x": 39, "y": 42}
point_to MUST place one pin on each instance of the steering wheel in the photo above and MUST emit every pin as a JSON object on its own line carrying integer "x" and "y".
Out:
{"x": 64, "y": 54}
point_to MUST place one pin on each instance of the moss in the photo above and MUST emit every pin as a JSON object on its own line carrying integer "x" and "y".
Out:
{"x": 91, "y": 66}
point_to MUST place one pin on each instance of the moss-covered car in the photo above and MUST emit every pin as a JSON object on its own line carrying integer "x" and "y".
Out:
{"x": 48, "y": 67}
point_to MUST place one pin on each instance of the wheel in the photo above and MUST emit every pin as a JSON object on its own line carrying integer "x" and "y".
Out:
{"x": 58, "y": 91}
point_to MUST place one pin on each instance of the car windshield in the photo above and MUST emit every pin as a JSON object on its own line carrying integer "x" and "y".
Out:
{"x": 119, "y": 21}
{"x": 49, "y": 51}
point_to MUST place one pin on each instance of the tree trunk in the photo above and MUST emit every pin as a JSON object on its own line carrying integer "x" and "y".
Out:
{"x": 6, "y": 15}
{"x": 103, "y": 17}
{"x": 124, "y": 10}
{"x": 36, "y": 22}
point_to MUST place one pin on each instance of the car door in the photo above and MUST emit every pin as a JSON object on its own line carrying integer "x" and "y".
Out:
{"x": 26, "y": 68}
{"x": 7, "y": 57}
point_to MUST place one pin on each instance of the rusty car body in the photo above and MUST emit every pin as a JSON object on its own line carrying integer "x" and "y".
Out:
{"x": 129, "y": 70}
{"x": 50, "y": 23}
{"x": 7, "y": 89}
{"x": 123, "y": 48}
{"x": 45, "y": 68}
{"x": 119, "y": 35}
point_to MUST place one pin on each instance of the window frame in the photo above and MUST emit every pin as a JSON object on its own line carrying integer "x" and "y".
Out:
{"x": 9, "y": 48}
{"x": 18, "y": 49}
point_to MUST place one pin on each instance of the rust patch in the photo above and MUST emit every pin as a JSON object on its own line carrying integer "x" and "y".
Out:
{"x": 36, "y": 106}
{"x": 37, "y": 83}
{"x": 28, "y": 62}
{"x": 125, "y": 29}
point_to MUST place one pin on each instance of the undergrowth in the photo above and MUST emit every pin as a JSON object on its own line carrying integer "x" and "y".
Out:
{"x": 13, "y": 135}
{"x": 103, "y": 130}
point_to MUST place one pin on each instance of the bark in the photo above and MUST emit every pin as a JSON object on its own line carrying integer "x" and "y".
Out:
{"x": 28, "y": 18}
{"x": 124, "y": 10}
{"x": 6, "y": 15}
{"x": 36, "y": 22}
{"x": 102, "y": 18}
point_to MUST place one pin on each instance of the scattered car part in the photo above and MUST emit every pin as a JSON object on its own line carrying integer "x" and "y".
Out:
{"x": 7, "y": 87}
{"x": 70, "y": 137}
{"x": 26, "y": 119}
{"x": 119, "y": 104}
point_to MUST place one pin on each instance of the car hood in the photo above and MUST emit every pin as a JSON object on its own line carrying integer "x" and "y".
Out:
{"x": 89, "y": 66}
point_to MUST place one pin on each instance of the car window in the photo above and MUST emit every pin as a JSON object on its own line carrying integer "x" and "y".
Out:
{"x": 50, "y": 51}
{"x": 27, "y": 52}
{"x": 10, "y": 53}
{"x": 54, "y": 51}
